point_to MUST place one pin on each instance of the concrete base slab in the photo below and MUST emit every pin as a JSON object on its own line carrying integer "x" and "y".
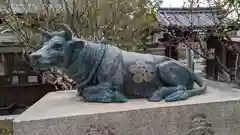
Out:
{"x": 63, "y": 113}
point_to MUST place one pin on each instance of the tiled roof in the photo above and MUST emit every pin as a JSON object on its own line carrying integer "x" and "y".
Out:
{"x": 7, "y": 36}
{"x": 198, "y": 17}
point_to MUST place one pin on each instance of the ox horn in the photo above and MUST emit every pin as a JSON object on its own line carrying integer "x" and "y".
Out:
{"x": 68, "y": 31}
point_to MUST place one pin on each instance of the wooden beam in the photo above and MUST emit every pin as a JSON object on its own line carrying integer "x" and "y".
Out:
{"x": 10, "y": 49}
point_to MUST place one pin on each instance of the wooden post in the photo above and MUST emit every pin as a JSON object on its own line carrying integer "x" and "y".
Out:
{"x": 189, "y": 58}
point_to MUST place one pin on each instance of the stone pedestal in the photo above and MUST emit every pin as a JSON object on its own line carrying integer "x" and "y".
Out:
{"x": 63, "y": 113}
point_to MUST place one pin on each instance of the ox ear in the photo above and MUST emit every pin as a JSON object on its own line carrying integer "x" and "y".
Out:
{"x": 44, "y": 33}
{"x": 77, "y": 45}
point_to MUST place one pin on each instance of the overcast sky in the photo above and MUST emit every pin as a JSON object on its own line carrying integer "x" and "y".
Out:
{"x": 179, "y": 3}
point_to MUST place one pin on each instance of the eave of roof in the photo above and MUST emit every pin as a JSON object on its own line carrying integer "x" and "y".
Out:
{"x": 187, "y": 10}
{"x": 195, "y": 17}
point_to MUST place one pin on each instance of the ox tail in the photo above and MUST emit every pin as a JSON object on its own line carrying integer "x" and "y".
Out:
{"x": 202, "y": 86}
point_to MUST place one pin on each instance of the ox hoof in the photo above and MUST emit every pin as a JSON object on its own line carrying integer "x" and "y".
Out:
{"x": 177, "y": 96}
{"x": 157, "y": 96}
{"x": 100, "y": 100}
{"x": 118, "y": 97}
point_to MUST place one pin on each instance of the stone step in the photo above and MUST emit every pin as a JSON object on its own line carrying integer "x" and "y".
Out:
{"x": 63, "y": 113}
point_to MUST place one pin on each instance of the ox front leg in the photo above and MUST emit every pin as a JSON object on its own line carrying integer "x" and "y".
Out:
{"x": 102, "y": 93}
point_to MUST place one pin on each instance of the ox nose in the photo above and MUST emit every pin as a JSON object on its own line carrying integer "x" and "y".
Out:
{"x": 25, "y": 56}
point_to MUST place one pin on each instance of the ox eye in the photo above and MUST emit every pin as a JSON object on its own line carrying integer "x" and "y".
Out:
{"x": 58, "y": 47}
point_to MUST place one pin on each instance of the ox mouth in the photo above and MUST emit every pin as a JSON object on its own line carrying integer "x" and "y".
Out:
{"x": 25, "y": 56}
{"x": 43, "y": 66}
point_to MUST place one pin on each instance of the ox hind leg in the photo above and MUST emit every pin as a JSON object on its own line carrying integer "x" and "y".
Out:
{"x": 168, "y": 93}
{"x": 102, "y": 93}
{"x": 177, "y": 80}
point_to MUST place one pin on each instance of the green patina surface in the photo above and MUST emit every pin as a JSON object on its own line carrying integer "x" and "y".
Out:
{"x": 106, "y": 73}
